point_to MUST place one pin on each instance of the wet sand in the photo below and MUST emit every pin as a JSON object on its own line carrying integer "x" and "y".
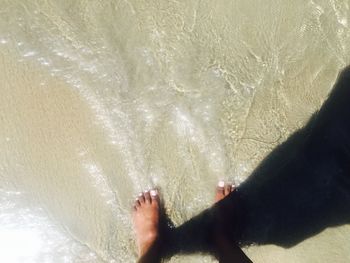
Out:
{"x": 102, "y": 100}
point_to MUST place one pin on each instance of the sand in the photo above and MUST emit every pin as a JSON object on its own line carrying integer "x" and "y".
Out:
{"x": 103, "y": 99}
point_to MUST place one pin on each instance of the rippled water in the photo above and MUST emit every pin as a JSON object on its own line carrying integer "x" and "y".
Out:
{"x": 102, "y": 99}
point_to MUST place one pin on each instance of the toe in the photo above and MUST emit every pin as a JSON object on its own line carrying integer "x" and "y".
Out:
{"x": 137, "y": 203}
{"x": 233, "y": 187}
{"x": 228, "y": 188}
{"x": 154, "y": 196}
{"x": 147, "y": 197}
{"x": 141, "y": 198}
{"x": 220, "y": 189}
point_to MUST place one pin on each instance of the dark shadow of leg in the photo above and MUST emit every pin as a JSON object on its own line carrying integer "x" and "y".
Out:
{"x": 300, "y": 189}
{"x": 154, "y": 254}
{"x": 303, "y": 186}
{"x": 229, "y": 253}
{"x": 199, "y": 235}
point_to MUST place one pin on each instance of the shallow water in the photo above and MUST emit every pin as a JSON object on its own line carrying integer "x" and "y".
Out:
{"x": 102, "y": 99}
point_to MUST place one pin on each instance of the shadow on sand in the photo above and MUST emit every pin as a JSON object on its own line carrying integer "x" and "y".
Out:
{"x": 303, "y": 186}
{"x": 300, "y": 188}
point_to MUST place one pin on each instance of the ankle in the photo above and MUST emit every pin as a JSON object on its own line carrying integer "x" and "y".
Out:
{"x": 151, "y": 252}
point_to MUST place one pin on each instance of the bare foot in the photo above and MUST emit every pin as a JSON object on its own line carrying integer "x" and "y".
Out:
{"x": 227, "y": 250}
{"x": 222, "y": 190}
{"x": 146, "y": 220}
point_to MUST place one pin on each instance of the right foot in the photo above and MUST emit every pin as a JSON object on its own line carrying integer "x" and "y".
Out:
{"x": 227, "y": 250}
{"x": 222, "y": 190}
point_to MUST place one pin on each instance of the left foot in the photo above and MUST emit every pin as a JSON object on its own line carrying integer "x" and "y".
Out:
{"x": 146, "y": 220}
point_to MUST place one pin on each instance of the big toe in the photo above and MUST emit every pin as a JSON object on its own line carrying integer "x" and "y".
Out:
{"x": 220, "y": 191}
{"x": 229, "y": 187}
{"x": 154, "y": 197}
{"x": 223, "y": 189}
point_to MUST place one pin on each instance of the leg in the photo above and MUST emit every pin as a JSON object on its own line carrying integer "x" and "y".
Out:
{"x": 226, "y": 250}
{"x": 199, "y": 234}
{"x": 210, "y": 237}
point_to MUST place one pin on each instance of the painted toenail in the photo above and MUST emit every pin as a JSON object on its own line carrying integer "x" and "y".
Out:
{"x": 221, "y": 184}
{"x": 153, "y": 192}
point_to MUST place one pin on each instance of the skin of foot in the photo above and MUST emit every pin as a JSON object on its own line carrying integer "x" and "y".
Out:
{"x": 222, "y": 190}
{"x": 146, "y": 220}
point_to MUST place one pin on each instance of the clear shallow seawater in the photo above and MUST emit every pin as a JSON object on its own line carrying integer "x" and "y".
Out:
{"x": 102, "y": 99}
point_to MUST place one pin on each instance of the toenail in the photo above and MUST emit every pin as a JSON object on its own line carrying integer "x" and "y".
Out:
{"x": 140, "y": 194}
{"x": 221, "y": 184}
{"x": 153, "y": 193}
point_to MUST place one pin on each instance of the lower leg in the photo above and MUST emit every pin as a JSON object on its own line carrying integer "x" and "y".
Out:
{"x": 209, "y": 232}
{"x": 227, "y": 251}
{"x": 198, "y": 235}
{"x": 153, "y": 255}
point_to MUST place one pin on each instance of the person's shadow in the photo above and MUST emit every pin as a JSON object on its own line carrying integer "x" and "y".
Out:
{"x": 303, "y": 186}
{"x": 298, "y": 190}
